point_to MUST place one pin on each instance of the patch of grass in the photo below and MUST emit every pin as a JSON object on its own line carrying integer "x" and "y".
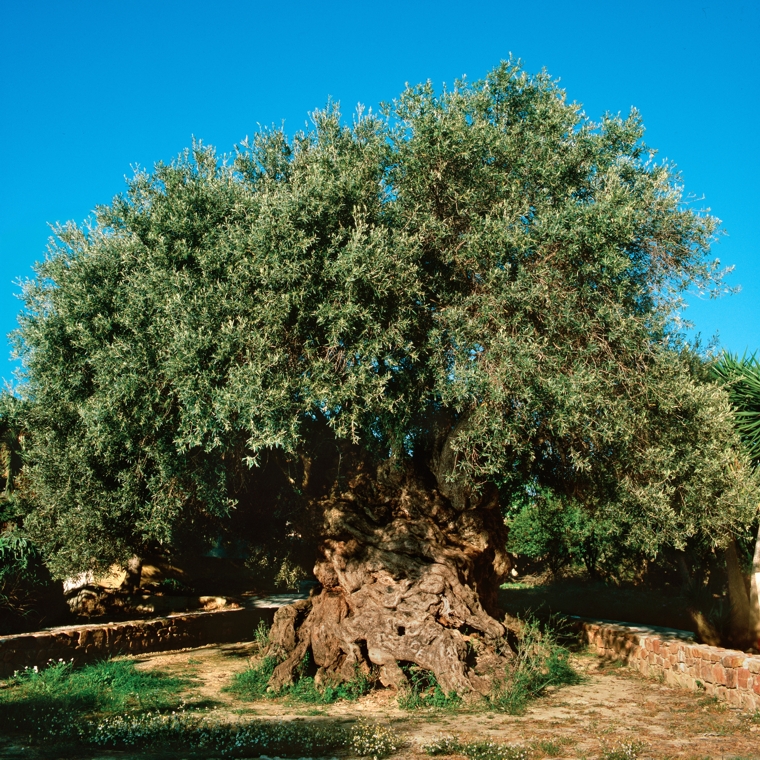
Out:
{"x": 113, "y": 705}
{"x": 198, "y": 732}
{"x": 373, "y": 740}
{"x": 423, "y": 690}
{"x": 548, "y": 747}
{"x": 252, "y": 684}
{"x": 488, "y": 750}
{"x": 712, "y": 704}
{"x": 261, "y": 636}
{"x": 538, "y": 663}
{"x": 43, "y": 700}
{"x": 623, "y": 751}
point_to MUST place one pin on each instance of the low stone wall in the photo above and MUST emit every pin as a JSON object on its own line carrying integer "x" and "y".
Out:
{"x": 86, "y": 643}
{"x": 729, "y": 675}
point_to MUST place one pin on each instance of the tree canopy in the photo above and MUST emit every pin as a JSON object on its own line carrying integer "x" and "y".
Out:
{"x": 484, "y": 258}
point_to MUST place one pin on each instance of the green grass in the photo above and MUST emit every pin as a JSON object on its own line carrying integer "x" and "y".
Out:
{"x": 49, "y": 699}
{"x": 549, "y": 747}
{"x": 538, "y": 663}
{"x": 486, "y": 750}
{"x": 252, "y": 684}
{"x": 112, "y": 704}
{"x": 423, "y": 690}
{"x": 625, "y": 751}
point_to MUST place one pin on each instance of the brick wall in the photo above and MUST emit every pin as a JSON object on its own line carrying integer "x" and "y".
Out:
{"x": 729, "y": 675}
{"x": 85, "y": 643}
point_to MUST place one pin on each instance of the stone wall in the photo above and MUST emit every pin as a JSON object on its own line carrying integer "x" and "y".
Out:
{"x": 729, "y": 675}
{"x": 86, "y": 643}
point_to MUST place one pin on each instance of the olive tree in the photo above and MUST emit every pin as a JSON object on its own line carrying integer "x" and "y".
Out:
{"x": 365, "y": 335}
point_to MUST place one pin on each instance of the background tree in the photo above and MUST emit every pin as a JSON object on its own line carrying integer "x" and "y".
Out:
{"x": 742, "y": 379}
{"x": 28, "y": 596}
{"x": 359, "y": 337}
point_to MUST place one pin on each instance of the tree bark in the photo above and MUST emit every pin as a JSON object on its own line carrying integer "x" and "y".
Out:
{"x": 133, "y": 576}
{"x": 738, "y": 599}
{"x": 410, "y": 565}
{"x": 754, "y": 597}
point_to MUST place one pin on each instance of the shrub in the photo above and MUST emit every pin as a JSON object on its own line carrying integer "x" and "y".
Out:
{"x": 539, "y": 662}
{"x": 556, "y": 530}
{"x": 28, "y": 594}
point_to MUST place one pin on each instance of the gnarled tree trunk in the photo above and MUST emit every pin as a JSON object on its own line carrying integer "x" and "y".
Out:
{"x": 410, "y": 566}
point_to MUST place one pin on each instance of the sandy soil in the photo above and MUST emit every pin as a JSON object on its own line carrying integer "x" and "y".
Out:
{"x": 613, "y": 706}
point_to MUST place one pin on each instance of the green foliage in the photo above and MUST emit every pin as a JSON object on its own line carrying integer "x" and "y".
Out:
{"x": 423, "y": 690}
{"x": 47, "y": 700}
{"x": 10, "y": 451}
{"x": 27, "y": 593}
{"x": 485, "y": 254}
{"x": 26, "y": 589}
{"x": 539, "y": 662}
{"x": 742, "y": 378}
{"x": 485, "y": 750}
{"x": 561, "y": 532}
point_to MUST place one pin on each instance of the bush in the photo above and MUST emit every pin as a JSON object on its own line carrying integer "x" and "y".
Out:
{"x": 28, "y": 595}
{"x": 558, "y": 531}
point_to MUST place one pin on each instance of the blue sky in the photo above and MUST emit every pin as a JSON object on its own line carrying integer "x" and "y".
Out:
{"x": 90, "y": 89}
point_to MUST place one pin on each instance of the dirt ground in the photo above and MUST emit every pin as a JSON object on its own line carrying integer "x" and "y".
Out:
{"x": 612, "y": 707}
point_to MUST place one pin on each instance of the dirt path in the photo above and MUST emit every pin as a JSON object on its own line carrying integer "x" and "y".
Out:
{"x": 611, "y": 708}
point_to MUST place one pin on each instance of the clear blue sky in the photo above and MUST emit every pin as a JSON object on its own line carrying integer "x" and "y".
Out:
{"x": 89, "y": 89}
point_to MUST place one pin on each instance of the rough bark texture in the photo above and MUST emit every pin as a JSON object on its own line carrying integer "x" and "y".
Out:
{"x": 754, "y": 597}
{"x": 739, "y": 600}
{"x": 410, "y": 566}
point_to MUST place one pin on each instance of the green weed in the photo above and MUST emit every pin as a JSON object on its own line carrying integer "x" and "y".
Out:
{"x": 44, "y": 700}
{"x": 539, "y": 662}
{"x": 624, "y": 751}
{"x": 549, "y": 748}
{"x": 261, "y": 636}
{"x": 423, "y": 690}
{"x": 488, "y": 750}
{"x": 372, "y": 740}
{"x": 253, "y": 683}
